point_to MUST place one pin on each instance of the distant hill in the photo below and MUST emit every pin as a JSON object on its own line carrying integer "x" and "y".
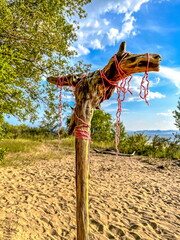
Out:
{"x": 160, "y": 133}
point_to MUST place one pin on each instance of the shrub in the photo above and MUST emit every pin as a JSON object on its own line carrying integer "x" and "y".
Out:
{"x": 2, "y": 154}
{"x": 158, "y": 146}
{"x": 137, "y": 142}
{"x": 173, "y": 149}
{"x": 27, "y": 132}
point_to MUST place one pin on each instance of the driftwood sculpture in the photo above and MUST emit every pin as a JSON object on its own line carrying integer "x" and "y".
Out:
{"x": 90, "y": 91}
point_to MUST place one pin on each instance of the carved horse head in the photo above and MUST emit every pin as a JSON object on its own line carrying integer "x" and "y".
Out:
{"x": 136, "y": 63}
{"x": 131, "y": 63}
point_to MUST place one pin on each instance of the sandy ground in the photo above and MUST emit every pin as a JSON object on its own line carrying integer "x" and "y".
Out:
{"x": 128, "y": 199}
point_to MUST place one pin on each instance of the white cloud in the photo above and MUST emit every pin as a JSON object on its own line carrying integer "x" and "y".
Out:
{"x": 134, "y": 33}
{"x": 93, "y": 23}
{"x": 99, "y": 25}
{"x": 151, "y": 95}
{"x": 80, "y": 34}
{"x": 96, "y": 44}
{"x": 127, "y": 27}
{"x": 154, "y": 95}
{"x": 138, "y": 4}
{"x": 80, "y": 49}
{"x": 108, "y": 103}
{"x": 159, "y": 47}
{"x": 113, "y": 34}
{"x": 172, "y": 74}
{"x": 155, "y": 82}
{"x": 123, "y": 6}
{"x": 169, "y": 113}
{"x": 106, "y": 22}
{"x": 99, "y": 33}
{"x": 96, "y": 24}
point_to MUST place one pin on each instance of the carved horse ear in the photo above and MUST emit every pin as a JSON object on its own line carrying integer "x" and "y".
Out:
{"x": 122, "y": 47}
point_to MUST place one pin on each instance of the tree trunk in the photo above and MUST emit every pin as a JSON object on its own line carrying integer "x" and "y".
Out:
{"x": 82, "y": 174}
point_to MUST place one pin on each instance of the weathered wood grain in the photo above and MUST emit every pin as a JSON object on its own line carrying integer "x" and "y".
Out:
{"x": 85, "y": 112}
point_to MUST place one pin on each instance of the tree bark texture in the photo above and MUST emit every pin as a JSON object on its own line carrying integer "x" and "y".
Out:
{"x": 85, "y": 112}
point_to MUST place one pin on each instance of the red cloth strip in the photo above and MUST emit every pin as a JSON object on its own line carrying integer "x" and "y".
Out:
{"x": 81, "y": 133}
{"x": 145, "y": 83}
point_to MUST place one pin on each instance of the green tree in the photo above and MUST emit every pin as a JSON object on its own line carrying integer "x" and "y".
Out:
{"x": 102, "y": 127}
{"x": 35, "y": 40}
{"x": 177, "y": 115}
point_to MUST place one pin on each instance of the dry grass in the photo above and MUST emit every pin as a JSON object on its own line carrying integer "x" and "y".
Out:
{"x": 23, "y": 152}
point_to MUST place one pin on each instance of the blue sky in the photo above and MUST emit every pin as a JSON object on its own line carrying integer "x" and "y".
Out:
{"x": 147, "y": 26}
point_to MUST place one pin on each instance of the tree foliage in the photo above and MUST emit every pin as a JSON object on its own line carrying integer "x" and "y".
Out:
{"x": 35, "y": 40}
{"x": 177, "y": 115}
{"x": 102, "y": 128}
{"x": 26, "y": 132}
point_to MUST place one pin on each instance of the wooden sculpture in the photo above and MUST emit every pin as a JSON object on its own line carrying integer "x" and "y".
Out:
{"x": 90, "y": 91}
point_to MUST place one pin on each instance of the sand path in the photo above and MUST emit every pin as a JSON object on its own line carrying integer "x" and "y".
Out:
{"x": 128, "y": 200}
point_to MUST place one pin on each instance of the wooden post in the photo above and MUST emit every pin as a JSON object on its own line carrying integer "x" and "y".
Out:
{"x": 91, "y": 90}
{"x": 85, "y": 112}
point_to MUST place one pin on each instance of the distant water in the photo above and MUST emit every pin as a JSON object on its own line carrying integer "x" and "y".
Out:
{"x": 160, "y": 133}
